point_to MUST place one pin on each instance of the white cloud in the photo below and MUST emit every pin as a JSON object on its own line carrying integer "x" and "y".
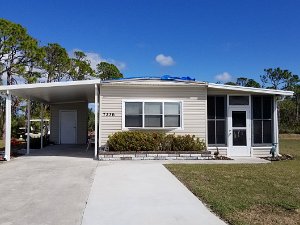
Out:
{"x": 164, "y": 60}
{"x": 223, "y": 77}
{"x": 119, "y": 64}
{"x": 96, "y": 58}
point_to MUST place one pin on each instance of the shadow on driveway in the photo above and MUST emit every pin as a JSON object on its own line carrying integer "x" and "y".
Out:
{"x": 78, "y": 151}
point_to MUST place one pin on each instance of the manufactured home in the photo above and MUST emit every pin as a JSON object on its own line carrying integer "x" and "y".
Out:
{"x": 238, "y": 121}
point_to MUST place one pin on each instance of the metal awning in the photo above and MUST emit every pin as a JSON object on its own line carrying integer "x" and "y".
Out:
{"x": 56, "y": 92}
{"x": 49, "y": 93}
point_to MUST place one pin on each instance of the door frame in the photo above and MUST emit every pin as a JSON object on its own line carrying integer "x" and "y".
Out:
{"x": 248, "y": 110}
{"x": 59, "y": 125}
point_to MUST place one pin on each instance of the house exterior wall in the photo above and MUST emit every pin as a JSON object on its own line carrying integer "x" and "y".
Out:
{"x": 193, "y": 109}
{"x": 82, "y": 120}
{"x": 261, "y": 151}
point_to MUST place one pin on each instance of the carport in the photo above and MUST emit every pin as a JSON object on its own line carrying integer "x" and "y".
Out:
{"x": 63, "y": 93}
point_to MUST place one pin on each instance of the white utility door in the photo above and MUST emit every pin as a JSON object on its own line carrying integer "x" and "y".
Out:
{"x": 68, "y": 126}
{"x": 239, "y": 132}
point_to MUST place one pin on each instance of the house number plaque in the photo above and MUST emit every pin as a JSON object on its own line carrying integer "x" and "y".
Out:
{"x": 108, "y": 114}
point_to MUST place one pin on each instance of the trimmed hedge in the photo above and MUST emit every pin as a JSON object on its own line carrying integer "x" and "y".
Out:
{"x": 153, "y": 141}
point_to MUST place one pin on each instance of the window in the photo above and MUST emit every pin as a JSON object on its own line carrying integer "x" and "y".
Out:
{"x": 152, "y": 114}
{"x": 216, "y": 117}
{"x": 238, "y": 100}
{"x": 172, "y": 114}
{"x": 133, "y": 114}
{"x": 262, "y": 119}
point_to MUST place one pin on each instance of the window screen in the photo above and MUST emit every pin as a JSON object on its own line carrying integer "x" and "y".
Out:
{"x": 262, "y": 119}
{"x": 172, "y": 114}
{"x": 216, "y": 119}
{"x": 133, "y": 114}
{"x": 153, "y": 114}
{"x": 238, "y": 100}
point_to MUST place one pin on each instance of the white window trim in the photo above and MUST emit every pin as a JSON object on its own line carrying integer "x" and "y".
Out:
{"x": 153, "y": 128}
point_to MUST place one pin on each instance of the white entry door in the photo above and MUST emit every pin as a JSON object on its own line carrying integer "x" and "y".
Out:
{"x": 239, "y": 132}
{"x": 68, "y": 126}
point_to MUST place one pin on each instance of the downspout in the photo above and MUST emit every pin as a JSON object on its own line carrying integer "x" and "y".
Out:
{"x": 276, "y": 122}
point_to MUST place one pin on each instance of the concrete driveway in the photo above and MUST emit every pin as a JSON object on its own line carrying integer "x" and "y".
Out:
{"x": 51, "y": 188}
{"x": 64, "y": 185}
{"x": 135, "y": 193}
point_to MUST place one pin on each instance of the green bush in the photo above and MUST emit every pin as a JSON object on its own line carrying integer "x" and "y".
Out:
{"x": 153, "y": 141}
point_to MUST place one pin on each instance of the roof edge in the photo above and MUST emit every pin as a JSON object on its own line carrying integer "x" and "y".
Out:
{"x": 52, "y": 84}
{"x": 250, "y": 89}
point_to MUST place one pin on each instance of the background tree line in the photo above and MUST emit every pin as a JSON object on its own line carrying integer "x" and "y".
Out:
{"x": 24, "y": 60}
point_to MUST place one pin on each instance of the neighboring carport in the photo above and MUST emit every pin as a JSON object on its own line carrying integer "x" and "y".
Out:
{"x": 50, "y": 93}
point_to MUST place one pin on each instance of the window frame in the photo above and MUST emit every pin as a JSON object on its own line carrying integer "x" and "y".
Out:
{"x": 262, "y": 121}
{"x": 225, "y": 119}
{"x": 162, "y": 101}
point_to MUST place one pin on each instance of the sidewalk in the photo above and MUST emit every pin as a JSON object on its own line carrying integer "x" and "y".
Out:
{"x": 135, "y": 193}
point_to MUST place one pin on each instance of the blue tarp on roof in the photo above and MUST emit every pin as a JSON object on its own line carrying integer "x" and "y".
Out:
{"x": 168, "y": 77}
{"x": 164, "y": 77}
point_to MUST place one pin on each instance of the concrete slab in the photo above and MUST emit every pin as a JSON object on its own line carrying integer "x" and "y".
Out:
{"x": 135, "y": 193}
{"x": 49, "y": 187}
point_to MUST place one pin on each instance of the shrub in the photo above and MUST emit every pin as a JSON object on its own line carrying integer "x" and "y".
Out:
{"x": 153, "y": 141}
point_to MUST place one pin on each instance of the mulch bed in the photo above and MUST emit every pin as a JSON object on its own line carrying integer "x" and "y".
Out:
{"x": 221, "y": 157}
{"x": 279, "y": 158}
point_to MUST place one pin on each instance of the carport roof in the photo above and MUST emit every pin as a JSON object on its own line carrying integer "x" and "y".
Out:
{"x": 56, "y": 92}
{"x": 84, "y": 90}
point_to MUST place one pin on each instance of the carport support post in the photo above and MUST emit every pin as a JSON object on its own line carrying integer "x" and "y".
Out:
{"x": 7, "y": 126}
{"x": 96, "y": 121}
{"x": 42, "y": 125}
{"x": 28, "y": 127}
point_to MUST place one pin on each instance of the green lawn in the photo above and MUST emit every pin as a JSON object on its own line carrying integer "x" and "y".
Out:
{"x": 249, "y": 194}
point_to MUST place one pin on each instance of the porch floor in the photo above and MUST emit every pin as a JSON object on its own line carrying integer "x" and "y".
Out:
{"x": 78, "y": 151}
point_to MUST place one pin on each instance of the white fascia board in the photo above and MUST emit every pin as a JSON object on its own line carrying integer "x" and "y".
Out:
{"x": 151, "y": 83}
{"x": 250, "y": 89}
{"x": 46, "y": 85}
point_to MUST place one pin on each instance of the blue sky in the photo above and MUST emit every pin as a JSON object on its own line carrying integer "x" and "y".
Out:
{"x": 202, "y": 39}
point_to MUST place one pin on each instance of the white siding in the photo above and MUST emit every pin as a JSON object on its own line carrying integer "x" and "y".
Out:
{"x": 82, "y": 118}
{"x": 194, "y": 106}
{"x": 261, "y": 151}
